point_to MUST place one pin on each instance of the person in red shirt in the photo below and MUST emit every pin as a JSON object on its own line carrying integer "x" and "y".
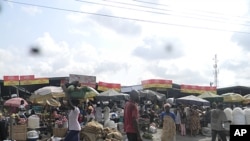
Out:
{"x": 131, "y": 116}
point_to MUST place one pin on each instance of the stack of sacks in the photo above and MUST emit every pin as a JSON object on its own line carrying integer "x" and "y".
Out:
{"x": 238, "y": 116}
{"x": 247, "y": 115}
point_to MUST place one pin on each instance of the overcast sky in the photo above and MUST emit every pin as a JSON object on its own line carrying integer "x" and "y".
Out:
{"x": 128, "y": 41}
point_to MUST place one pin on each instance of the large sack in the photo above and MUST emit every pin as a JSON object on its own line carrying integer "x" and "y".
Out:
{"x": 228, "y": 112}
{"x": 238, "y": 116}
{"x": 77, "y": 92}
{"x": 247, "y": 115}
{"x": 93, "y": 127}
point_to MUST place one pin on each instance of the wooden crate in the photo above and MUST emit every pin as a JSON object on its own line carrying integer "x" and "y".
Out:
{"x": 60, "y": 132}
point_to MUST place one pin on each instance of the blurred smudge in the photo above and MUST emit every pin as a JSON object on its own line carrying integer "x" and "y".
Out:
{"x": 169, "y": 48}
{"x": 35, "y": 50}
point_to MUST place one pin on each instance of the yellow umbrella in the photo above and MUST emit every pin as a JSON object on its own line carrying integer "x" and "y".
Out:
{"x": 247, "y": 99}
{"x": 232, "y": 97}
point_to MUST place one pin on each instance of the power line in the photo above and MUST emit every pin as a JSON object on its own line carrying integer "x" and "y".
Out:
{"x": 211, "y": 12}
{"x": 125, "y": 18}
{"x": 216, "y": 19}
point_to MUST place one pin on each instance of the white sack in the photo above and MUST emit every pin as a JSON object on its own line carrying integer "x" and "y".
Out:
{"x": 238, "y": 116}
{"x": 247, "y": 115}
{"x": 228, "y": 112}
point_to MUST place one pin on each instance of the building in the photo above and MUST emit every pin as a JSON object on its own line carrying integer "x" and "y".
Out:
{"x": 26, "y": 91}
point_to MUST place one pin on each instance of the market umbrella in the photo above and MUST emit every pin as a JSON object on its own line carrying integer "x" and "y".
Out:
{"x": 111, "y": 94}
{"x": 47, "y": 92}
{"x": 192, "y": 100}
{"x": 53, "y": 102}
{"x": 15, "y": 102}
{"x": 246, "y": 99}
{"x": 232, "y": 97}
{"x": 211, "y": 97}
{"x": 152, "y": 95}
{"x": 55, "y": 91}
{"x": 171, "y": 101}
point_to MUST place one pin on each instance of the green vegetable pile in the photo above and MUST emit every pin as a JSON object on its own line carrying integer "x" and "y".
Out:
{"x": 147, "y": 136}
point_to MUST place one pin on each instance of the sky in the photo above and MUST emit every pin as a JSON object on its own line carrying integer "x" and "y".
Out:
{"x": 128, "y": 41}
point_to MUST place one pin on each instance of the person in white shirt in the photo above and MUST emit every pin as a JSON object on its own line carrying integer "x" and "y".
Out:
{"x": 22, "y": 110}
{"x": 74, "y": 126}
{"x": 98, "y": 113}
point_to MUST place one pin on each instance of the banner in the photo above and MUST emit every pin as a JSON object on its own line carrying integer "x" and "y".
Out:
{"x": 156, "y": 83}
{"x": 27, "y": 77}
{"x": 103, "y": 86}
{"x": 35, "y": 81}
{"x": 83, "y": 79}
{"x": 10, "y": 80}
{"x": 24, "y": 80}
{"x": 197, "y": 89}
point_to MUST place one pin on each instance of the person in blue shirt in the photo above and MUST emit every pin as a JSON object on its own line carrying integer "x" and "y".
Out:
{"x": 169, "y": 127}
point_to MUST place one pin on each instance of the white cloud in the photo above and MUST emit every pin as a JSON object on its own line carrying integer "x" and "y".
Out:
{"x": 31, "y": 10}
{"x": 126, "y": 51}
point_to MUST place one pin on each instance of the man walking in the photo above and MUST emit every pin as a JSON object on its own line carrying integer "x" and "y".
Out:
{"x": 218, "y": 118}
{"x": 131, "y": 116}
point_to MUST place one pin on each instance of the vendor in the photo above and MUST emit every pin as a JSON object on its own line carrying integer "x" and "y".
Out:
{"x": 22, "y": 110}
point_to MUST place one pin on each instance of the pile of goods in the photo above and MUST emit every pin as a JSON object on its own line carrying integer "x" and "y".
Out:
{"x": 112, "y": 134}
{"x": 144, "y": 124}
{"x": 94, "y": 131}
{"x": 93, "y": 127}
{"x": 147, "y": 136}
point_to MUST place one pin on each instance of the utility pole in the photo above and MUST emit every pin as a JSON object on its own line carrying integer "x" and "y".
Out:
{"x": 216, "y": 71}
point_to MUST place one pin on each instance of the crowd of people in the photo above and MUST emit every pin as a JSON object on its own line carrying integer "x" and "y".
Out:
{"x": 173, "y": 119}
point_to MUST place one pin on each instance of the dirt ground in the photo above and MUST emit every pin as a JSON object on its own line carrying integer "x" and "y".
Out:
{"x": 157, "y": 137}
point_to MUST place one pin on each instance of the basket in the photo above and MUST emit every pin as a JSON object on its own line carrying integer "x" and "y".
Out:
{"x": 60, "y": 132}
{"x": 19, "y": 132}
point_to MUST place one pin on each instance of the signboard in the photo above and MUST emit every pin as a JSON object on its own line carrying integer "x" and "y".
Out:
{"x": 156, "y": 83}
{"x": 197, "y": 89}
{"x": 104, "y": 86}
{"x": 24, "y": 80}
{"x": 10, "y": 80}
{"x": 83, "y": 79}
{"x": 37, "y": 81}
